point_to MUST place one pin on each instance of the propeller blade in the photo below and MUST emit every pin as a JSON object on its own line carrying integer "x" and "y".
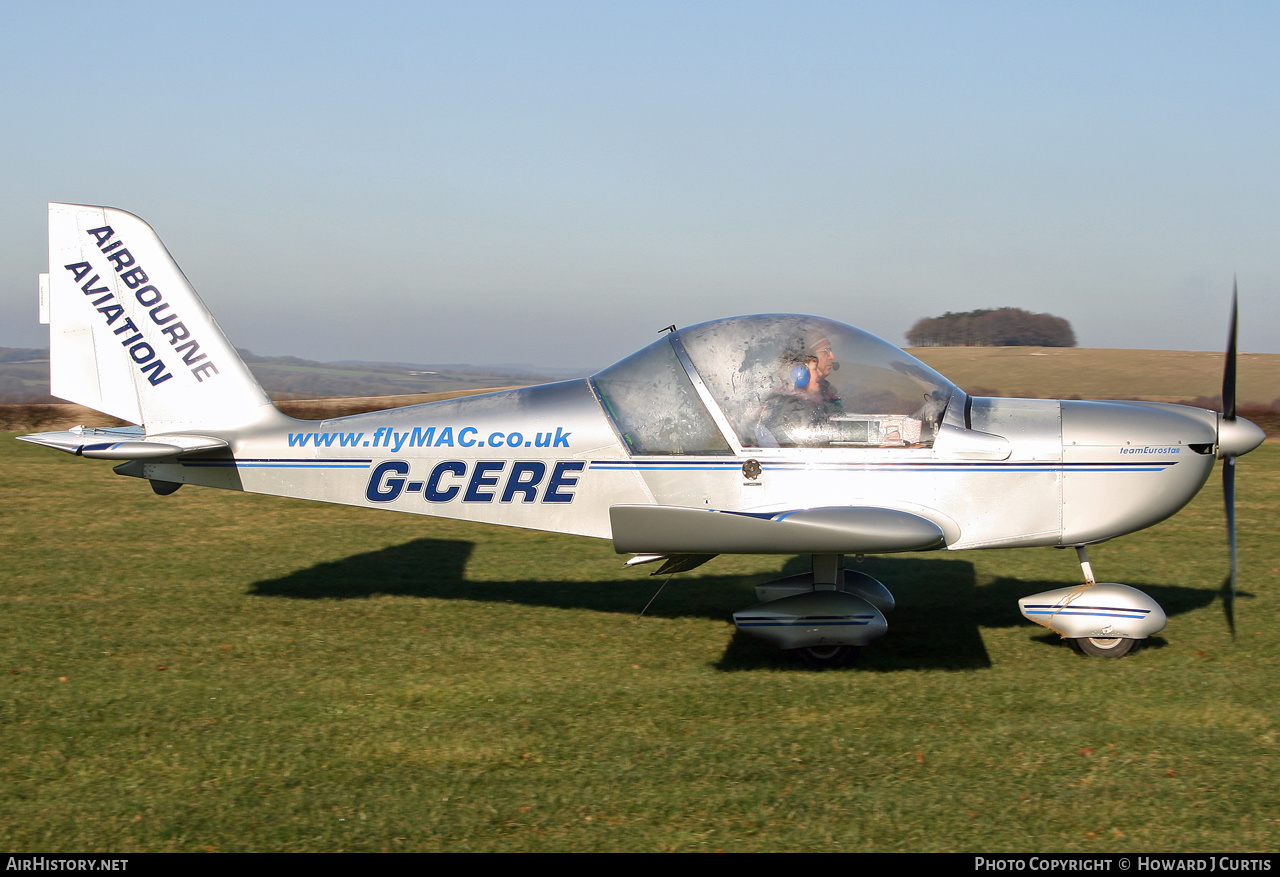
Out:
{"x": 1229, "y": 500}
{"x": 1229, "y": 461}
{"x": 1229, "y": 370}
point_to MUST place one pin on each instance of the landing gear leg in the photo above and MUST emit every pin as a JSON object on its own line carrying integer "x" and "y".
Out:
{"x": 828, "y": 575}
{"x": 1083, "y": 554}
{"x": 1097, "y": 646}
{"x": 828, "y": 572}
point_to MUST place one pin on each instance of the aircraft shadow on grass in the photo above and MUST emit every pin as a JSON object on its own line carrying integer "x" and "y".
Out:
{"x": 936, "y": 625}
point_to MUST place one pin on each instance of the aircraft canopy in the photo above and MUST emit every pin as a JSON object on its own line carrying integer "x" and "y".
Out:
{"x": 772, "y": 381}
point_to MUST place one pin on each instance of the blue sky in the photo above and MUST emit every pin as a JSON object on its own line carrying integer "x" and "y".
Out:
{"x": 554, "y": 183}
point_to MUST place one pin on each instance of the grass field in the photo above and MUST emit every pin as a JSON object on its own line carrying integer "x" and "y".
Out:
{"x": 1080, "y": 373}
{"x": 215, "y": 671}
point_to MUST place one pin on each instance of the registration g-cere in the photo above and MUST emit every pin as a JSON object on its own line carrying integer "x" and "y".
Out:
{"x": 449, "y": 479}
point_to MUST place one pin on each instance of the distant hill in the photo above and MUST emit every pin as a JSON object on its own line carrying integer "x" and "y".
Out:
{"x": 1083, "y": 373}
{"x": 24, "y": 377}
{"x": 1037, "y": 372}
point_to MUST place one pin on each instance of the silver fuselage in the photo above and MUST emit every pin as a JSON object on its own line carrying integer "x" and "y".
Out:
{"x": 1000, "y": 473}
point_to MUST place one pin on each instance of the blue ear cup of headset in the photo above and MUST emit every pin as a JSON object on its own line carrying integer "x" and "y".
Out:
{"x": 800, "y": 375}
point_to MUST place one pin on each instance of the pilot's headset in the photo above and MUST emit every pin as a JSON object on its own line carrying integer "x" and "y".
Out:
{"x": 800, "y": 371}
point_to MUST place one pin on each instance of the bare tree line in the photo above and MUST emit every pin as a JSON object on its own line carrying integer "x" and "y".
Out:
{"x": 998, "y": 327}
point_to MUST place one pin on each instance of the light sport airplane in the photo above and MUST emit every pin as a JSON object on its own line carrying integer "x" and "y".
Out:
{"x": 767, "y": 434}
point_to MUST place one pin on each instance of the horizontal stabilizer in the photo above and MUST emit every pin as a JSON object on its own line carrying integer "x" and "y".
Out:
{"x": 655, "y": 529}
{"x": 122, "y": 443}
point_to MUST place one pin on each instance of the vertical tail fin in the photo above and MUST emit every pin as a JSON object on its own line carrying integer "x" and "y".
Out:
{"x": 128, "y": 335}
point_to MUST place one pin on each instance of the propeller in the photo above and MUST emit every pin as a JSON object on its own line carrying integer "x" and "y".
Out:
{"x": 1229, "y": 464}
{"x": 1236, "y": 436}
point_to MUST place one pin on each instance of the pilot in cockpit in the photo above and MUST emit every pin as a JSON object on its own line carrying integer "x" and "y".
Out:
{"x": 799, "y": 411}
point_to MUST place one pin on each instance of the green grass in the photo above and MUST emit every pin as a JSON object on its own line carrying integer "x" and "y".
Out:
{"x": 217, "y": 671}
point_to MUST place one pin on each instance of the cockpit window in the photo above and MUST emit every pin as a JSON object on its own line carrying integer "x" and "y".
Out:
{"x": 654, "y": 405}
{"x": 793, "y": 381}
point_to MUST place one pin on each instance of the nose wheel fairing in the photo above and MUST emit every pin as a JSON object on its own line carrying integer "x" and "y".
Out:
{"x": 1101, "y": 612}
{"x": 1100, "y": 620}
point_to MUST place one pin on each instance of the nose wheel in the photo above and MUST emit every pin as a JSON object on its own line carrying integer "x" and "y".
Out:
{"x": 826, "y": 656}
{"x": 1103, "y": 647}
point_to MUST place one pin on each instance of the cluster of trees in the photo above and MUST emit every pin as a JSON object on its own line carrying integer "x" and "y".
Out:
{"x": 998, "y": 327}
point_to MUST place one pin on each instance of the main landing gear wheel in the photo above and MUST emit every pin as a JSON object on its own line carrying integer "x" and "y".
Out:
{"x": 826, "y": 656}
{"x": 1103, "y": 647}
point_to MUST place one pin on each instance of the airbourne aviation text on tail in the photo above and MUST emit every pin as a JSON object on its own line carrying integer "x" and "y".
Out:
{"x": 766, "y": 434}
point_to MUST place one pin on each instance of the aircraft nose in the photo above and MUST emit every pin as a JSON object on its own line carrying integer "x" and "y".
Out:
{"x": 1238, "y": 436}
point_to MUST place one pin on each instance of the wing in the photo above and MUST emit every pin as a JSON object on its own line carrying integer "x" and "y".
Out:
{"x": 670, "y": 530}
